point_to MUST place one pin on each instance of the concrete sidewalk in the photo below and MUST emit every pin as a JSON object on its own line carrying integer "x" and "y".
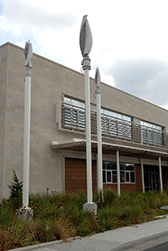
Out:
{"x": 137, "y": 237}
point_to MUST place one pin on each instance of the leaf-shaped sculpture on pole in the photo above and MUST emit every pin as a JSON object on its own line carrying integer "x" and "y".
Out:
{"x": 85, "y": 37}
{"x": 28, "y": 54}
{"x": 97, "y": 80}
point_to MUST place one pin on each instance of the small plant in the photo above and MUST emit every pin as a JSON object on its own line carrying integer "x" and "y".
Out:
{"x": 15, "y": 190}
{"x": 7, "y": 240}
{"x": 110, "y": 197}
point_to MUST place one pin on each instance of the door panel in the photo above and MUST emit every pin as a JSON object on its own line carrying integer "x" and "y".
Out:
{"x": 151, "y": 178}
{"x": 75, "y": 175}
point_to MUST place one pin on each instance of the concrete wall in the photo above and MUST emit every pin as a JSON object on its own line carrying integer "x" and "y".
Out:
{"x": 3, "y": 81}
{"x": 13, "y": 140}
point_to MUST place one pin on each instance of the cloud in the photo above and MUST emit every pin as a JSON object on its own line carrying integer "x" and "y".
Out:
{"x": 144, "y": 78}
{"x": 49, "y": 25}
{"x": 118, "y": 35}
{"x": 6, "y": 27}
{"x": 23, "y": 14}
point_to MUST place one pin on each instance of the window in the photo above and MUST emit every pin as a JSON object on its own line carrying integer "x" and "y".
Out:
{"x": 151, "y": 133}
{"x": 74, "y": 102}
{"x": 116, "y": 124}
{"x": 109, "y": 172}
{"x": 127, "y": 172}
{"x": 74, "y": 113}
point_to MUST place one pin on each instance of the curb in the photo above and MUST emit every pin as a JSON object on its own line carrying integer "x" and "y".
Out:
{"x": 36, "y": 246}
{"x": 45, "y": 244}
{"x": 143, "y": 243}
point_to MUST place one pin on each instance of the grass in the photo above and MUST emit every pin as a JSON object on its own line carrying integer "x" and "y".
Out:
{"x": 60, "y": 216}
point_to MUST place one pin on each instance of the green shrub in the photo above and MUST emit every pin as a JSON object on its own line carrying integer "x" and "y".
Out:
{"x": 132, "y": 215}
{"x": 7, "y": 215}
{"x": 22, "y": 232}
{"x": 84, "y": 228}
{"x": 109, "y": 197}
{"x": 15, "y": 191}
{"x": 108, "y": 218}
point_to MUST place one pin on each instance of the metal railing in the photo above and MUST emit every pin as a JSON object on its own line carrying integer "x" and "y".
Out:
{"x": 153, "y": 136}
{"x": 73, "y": 118}
{"x": 112, "y": 126}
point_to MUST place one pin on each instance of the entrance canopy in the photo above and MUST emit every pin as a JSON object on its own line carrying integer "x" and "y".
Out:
{"x": 76, "y": 144}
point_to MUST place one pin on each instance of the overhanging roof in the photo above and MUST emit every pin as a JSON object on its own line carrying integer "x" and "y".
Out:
{"x": 68, "y": 143}
{"x": 107, "y": 148}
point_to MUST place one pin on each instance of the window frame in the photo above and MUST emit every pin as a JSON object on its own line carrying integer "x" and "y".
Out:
{"x": 74, "y": 113}
{"x": 152, "y": 133}
{"x": 125, "y": 169}
{"x": 116, "y": 124}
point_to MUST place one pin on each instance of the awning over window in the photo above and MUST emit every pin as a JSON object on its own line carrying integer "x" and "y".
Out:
{"x": 109, "y": 148}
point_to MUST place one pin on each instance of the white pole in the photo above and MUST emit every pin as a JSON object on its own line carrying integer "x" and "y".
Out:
{"x": 85, "y": 41}
{"x": 118, "y": 173}
{"x": 142, "y": 173}
{"x": 26, "y": 153}
{"x": 99, "y": 142}
{"x": 160, "y": 175}
{"x": 88, "y": 136}
{"x": 25, "y": 211}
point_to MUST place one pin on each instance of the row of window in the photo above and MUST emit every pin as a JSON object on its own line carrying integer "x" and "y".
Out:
{"x": 113, "y": 124}
{"x": 127, "y": 173}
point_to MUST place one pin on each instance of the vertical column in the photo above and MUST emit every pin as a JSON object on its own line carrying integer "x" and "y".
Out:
{"x": 99, "y": 133}
{"x": 25, "y": 211}
{"x": 88, "y": 136}
{"x": 142, "y": 174}
{"x": 118, "y": 173}
{"x": 99, "y": 141}
{"x": 85, "y": 41}
{"x": 26, "y": 150}
{"x": 160, "y": 175}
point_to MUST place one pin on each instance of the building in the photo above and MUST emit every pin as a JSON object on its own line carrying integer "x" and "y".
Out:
{"x": 134, "y": 129}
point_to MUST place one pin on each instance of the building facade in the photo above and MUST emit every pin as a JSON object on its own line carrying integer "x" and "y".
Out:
{"x": 133, "y": 129}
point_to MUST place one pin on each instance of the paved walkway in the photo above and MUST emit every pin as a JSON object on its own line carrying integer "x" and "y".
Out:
{"x": 137, "y": 237}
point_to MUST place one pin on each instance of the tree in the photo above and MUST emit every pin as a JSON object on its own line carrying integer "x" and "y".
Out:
{"x": 15, "y": 190}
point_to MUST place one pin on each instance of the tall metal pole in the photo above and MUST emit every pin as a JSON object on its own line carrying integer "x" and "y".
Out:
{"x": 118, "y": 173}
{"x": 26, "y": 149}
{"x": 160, "y": 175}
{"x": 25, "y": 211}
{"x": 142, "y": 174}
{"x": 86, "y": 68}
{"x": 26, "y": 153}
{"x": 85, "y": 41}
{"x": 99, "y": 134}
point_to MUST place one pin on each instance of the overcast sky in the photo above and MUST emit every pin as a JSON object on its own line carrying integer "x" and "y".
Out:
{"x": 130, "y": 39}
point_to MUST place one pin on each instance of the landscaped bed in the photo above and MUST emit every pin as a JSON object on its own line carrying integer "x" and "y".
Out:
{"x": 60, "y": 216}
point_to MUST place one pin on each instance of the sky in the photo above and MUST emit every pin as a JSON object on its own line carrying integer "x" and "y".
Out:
{"x": 130, "y": 39}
